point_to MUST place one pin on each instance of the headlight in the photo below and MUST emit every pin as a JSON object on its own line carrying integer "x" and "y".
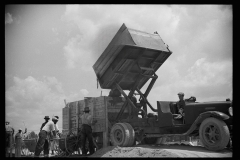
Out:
{"x": 230, "y": 111}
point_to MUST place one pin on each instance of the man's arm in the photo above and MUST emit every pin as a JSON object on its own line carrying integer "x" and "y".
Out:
{"x": 52, "y": 128}
{"x": 12, "y": 130}
{"x": 25, "y": 131}
{"x": 43, "y": 125}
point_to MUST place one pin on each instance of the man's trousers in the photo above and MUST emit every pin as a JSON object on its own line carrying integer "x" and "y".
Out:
{"x": 42, "y": 144}
{"x": 86, "y": 132}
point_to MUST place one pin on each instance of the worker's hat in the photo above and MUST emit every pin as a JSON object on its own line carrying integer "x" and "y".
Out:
{"x": 56, "y": 117}
{"x": 20, "y": 129}
{"x": 46, "y": 117}
{"x": 181, "y": 93}
{"x": 86, "y": 109}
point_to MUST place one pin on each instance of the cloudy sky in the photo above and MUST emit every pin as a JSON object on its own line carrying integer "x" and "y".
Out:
{"x": 50, "y": 51}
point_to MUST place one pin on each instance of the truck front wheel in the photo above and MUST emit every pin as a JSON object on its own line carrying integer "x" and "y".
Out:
{"x": 214, "y": 134}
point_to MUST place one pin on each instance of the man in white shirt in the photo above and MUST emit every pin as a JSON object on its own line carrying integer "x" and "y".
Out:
{"x": 45, "y": 133}
{"x": 54, "y": 142}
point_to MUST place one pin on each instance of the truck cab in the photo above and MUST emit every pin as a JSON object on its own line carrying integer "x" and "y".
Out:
{"x": 212, "y": 121}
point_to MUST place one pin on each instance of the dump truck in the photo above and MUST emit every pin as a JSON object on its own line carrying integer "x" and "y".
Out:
{"x": 126, "y": 65}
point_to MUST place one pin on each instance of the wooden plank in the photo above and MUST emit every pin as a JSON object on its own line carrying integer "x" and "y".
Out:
{"x": 77, "y": 115}
{"x": 105, "y": 134}
{"x": 100, "y": 126}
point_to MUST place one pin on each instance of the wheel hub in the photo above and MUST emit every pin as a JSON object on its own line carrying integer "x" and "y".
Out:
{"x": 118, "y": 135}
{"x": 212, "y": 134}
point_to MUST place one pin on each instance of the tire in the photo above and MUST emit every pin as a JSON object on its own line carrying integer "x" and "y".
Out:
{"x": 132, "y": 135}
{"x": 72, "y": 144}
{"x": 120, "y": 135}
{"x": 214, "y": 134}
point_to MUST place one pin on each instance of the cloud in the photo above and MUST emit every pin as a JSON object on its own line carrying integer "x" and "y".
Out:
{"x": 77, "y": 54}
{"x": 72, "y": 51}
{"x": 8, "y": 18}
{"x": 32, "y": 99}
{"x": 55, "y": 31}
{"x": 204, "y": 80}
{"x": 84, "y": 92}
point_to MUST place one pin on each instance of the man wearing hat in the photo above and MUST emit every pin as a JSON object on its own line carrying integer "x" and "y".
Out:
{"x": 54, "y": 142}
{"x": 181, "y": 105}
{"x": 45, "y": 147}
{"x": 18, "y": 142}
{"x": 44, "y": 134}
{"x": 46, "y": 120}
{"x": 86, "y": 130}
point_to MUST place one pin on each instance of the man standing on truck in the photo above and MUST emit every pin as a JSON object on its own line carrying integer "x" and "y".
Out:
{"x": 181, "y": 105}
{"x": 86, "y": 130}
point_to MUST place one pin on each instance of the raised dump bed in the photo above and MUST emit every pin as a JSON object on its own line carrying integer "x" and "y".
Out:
{"x": 130, "y": 53}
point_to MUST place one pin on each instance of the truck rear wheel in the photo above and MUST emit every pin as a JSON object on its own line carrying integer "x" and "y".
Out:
{"x": 214, "y": 134}
{"x": 121, "y": 135}
{"x": 132, "y": 135}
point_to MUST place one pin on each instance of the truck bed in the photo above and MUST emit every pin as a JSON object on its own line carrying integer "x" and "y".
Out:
{"x": 130, "y": 53}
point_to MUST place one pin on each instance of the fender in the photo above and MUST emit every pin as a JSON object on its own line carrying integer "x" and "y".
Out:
{"x": 196, "y": 124}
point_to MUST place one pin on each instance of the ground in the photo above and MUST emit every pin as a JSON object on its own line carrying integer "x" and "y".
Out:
{"x": 173, "y": 150}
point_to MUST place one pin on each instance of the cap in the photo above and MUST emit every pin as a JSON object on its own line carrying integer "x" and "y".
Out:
{"x": 56, "y": 117}
{"x": 181, "y": 93}
{"x": 46, "y": 117}
{"x": 86, "y": 109}
{"x": 20, "y": 129}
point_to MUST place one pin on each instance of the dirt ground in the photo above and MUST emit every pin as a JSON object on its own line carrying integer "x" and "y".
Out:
{"x": 173, "y": 150}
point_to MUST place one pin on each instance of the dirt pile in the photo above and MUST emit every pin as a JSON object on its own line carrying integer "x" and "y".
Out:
{"x": 159, "y": 151}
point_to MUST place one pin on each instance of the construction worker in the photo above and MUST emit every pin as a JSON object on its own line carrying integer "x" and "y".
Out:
{"x": 9, "y": 130}
{"x": 54, "y": 142}
{"x": 181, "y": 105}
{"x": 45, "y": 147}
{"x": 47, "y": 131}
{"x": 86, "y": 130}
{"x": 46, "y": 120}
{"x": 19, "y": 142}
